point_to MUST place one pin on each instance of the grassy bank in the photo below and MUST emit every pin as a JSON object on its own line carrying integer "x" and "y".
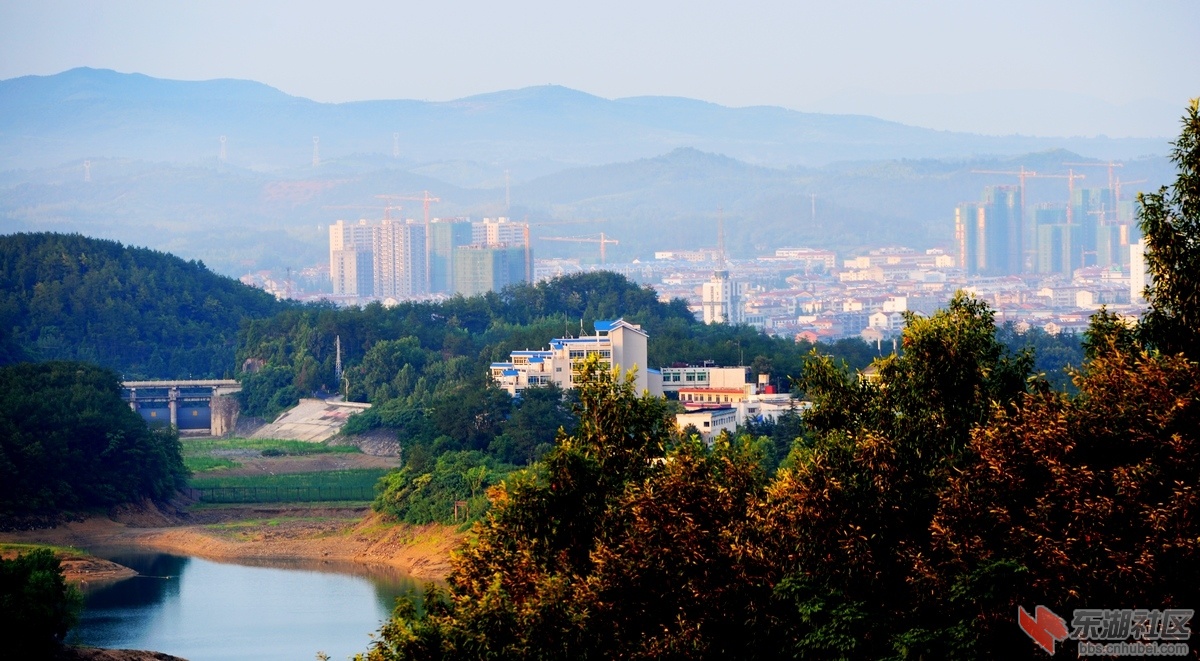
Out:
{"x": 343, "y": 485}
{"x": 206, "y": 455}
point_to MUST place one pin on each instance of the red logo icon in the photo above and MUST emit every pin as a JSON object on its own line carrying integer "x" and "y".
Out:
{"x": 1045, "y": 629}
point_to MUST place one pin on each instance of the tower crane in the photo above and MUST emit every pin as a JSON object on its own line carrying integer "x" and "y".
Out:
{"x": 387, "y": 209}
{"x": 1119, "y": 183}
{"x": 1070, "y": 176}
{"x": 1110, "y": 165}
{"x": 602, "y": 239}
{"x": 1021, "y": 175}
{"x": 525, "y": 230}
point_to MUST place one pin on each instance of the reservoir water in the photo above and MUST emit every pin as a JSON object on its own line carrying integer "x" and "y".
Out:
{"x": 202, "y": 610}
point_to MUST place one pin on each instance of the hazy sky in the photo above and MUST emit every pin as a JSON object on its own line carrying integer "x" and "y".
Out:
{"x": 1047, "y": 67}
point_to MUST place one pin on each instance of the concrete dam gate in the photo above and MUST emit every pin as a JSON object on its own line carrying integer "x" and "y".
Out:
{"x": 199, "y": 405}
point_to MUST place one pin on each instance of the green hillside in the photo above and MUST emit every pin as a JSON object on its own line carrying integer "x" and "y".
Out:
{"x": 143, "y": 313}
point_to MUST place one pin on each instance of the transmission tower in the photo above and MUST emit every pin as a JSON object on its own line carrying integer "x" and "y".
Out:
{"x": 222, "y": 156}
{"x": 87, "y": 170}
{"x": 396, "y": 145}
{"x": 316, "y": 151}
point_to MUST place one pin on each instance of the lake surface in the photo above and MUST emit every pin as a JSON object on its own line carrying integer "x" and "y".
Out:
{"x": 202, "y": 610}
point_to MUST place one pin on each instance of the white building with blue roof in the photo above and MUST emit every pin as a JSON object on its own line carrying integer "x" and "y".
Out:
{"x": 617, "y": 343}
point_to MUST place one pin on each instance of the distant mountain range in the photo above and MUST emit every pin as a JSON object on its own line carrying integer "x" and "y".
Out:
{"x": 89, "y": 113}
{"x": 657, "y": 172}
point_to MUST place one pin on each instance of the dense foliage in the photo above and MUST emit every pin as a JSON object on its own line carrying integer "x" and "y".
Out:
{"x": 455, "y": 477}
{"x": 912, "y": 517}
{"x": 919, "y": 507}
{"x": 1170, "y": 223}
{"x": 68, "y": 441}
{"x": 1054, "y": 356}
{"x": 39, "y": 606}
{"x": 143, "y": 313}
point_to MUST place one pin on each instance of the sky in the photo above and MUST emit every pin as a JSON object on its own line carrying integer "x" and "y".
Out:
{"x": 1037, "y": 67}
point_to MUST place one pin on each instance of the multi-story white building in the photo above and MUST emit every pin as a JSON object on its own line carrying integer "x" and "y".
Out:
{"x": 809, "y": 256}
{"x": 699, "y": 376}
{"x": 617, "y": 344}
{"x": 721, "y": 299}
{"x": 351, "y": 262}
{"x": 351, "y": 270}
{"x": 1139, "y": 277}
{"x": 498, "y": 232}
{"x": 709, "y": 422}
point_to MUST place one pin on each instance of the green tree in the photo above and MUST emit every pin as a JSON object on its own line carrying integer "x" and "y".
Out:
{"x": 1073, "y": 500}
{"x": 529, "y": 433}
{"x": 39, "y": 606}
{"x": 1170, "y": 224}
{"x": 416, "y": 496}
{"x": 849, "y": 521}
{"x": 524, "y": 587}
{"x": 68, "y": 441}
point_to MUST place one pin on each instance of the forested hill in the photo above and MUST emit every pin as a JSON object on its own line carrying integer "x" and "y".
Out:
{"x": 143, "y": 313}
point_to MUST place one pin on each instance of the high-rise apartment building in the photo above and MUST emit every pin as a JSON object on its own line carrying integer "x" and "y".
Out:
{"x": 352, "y": 272}
{"x": 351, "y": 264}
{"x": 446, "y": 235}
{"x": 399, "y": 248}
{"x": 377, "y": 259}
{"x": 479, "y": 269}
{"x": 990, "y": 234}
{"x": 498, "y": 232}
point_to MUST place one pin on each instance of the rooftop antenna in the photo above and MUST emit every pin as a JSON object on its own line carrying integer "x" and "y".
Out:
{"x": 87, "y": 170}
{"x": 316, "y": 151}
{"x": 721, "y": 237}
{"x": 396, "y": 145}
{"x": 222, "y": 156}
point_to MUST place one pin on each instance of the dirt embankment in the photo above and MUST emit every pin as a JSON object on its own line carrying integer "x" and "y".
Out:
{"x": 264, "y": 532}
{"x": 83, "y": 569}
{"x": 97, "y": 654}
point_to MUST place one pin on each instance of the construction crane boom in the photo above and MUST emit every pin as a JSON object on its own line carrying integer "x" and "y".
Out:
{"x": 387, "y": 209}
{"x": 603, "y": 240}
{"x": 525, "y": 231}
{"x": 1110, "y": 165}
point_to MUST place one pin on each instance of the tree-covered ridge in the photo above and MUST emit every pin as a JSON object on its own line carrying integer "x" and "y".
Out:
{"x": 143, "y": 313}
{"x": 68, "y": 442}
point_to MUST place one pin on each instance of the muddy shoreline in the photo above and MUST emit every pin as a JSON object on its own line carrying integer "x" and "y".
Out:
{"x": 256, "y": 534}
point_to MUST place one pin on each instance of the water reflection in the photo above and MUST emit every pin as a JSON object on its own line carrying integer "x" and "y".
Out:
{"x": 157, "y": 579}
{"x": 202, "y": 610}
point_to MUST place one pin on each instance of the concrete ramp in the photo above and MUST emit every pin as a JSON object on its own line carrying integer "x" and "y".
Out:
{"x": 313, "y": 420}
